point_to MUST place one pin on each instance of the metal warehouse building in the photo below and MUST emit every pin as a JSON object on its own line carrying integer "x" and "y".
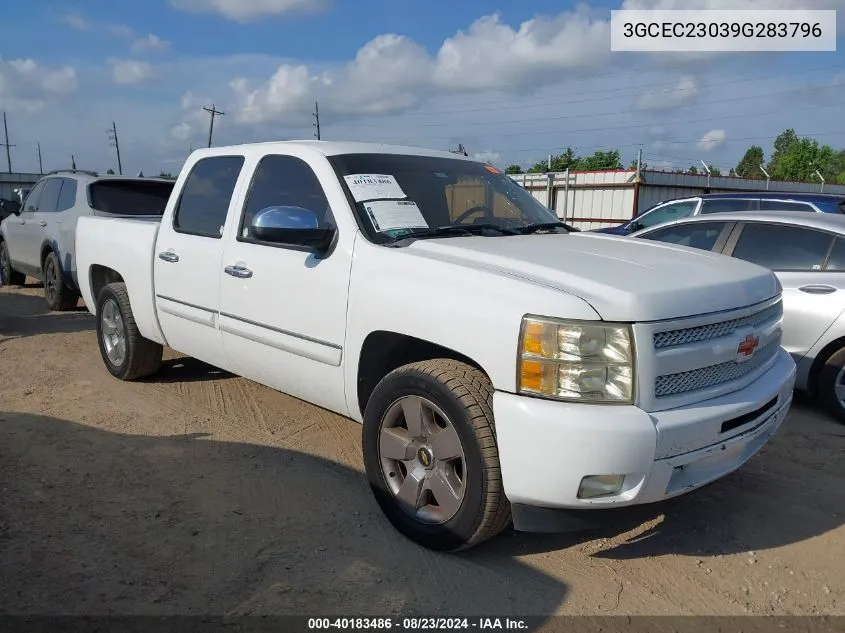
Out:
{"x": 591, "y": 200}
{"x": 11, "y": 181}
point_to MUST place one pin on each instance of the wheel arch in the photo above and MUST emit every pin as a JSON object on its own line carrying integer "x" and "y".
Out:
{"x": 818, "y": 364}
{"x": 383, "y": 351}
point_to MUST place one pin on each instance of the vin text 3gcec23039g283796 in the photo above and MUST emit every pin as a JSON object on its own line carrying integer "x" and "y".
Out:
{"x": 504, "y": 367}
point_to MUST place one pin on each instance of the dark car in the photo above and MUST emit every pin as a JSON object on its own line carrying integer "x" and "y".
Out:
{"x": 680, "y": 208}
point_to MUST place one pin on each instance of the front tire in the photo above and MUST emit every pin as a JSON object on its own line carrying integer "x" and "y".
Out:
{"x": 831, "y": 385}
{"x": 10, "y": 276}
{"x": 126, "y": 354}
{"x": 431, "y": 456}
{"x": 59, "y": 297}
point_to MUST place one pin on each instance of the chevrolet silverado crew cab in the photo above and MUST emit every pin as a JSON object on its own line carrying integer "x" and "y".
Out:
{"x": 504, "y": 368}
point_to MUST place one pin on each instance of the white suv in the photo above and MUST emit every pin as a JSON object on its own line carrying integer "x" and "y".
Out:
{"x": 37, "y": 239}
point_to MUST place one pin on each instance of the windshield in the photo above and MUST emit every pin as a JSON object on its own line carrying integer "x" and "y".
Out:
{"x": 398, "y": 196}
{"x": 130, "y": 197}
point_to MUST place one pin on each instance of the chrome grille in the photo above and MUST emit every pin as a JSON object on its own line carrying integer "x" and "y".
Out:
{"x": 686, "y": 381}
{"x": 715, "y": 330}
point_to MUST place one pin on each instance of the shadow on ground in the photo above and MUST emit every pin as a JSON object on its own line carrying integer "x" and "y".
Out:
{"x": 27, "y": 315}
{"x": 98, "y": 522}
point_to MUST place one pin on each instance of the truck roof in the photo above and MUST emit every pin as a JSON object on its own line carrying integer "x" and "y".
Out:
{"x": 333, "y": 148}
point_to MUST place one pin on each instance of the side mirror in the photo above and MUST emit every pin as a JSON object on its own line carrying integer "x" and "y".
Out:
{"x": 291, "y": 225}
{"x": 11, "y": 206}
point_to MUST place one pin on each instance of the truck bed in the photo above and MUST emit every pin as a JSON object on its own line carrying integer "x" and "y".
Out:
{"x": 123, "y": 249}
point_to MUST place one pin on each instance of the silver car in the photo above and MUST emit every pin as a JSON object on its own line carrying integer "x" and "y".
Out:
{"x": 806, "y": 251}
{"x": 38, "y": 238}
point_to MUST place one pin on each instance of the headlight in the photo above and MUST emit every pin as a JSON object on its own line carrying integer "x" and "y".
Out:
{"x": 577, "y": 361}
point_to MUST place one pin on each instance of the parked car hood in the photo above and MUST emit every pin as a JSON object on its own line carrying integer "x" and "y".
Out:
{"x": 622, "y": 279}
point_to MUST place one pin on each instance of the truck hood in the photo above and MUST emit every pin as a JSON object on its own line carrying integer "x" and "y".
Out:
{"x": 621, "y": 278}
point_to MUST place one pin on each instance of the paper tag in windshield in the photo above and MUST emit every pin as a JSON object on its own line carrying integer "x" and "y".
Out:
{"x": 373, "y": 187}
{"x": 387, "y": 215}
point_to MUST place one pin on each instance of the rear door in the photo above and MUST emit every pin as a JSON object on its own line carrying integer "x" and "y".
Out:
{"x": 812, "y": 297}
{"x": 188, "y": 256}
{"x": 45, "y": 228}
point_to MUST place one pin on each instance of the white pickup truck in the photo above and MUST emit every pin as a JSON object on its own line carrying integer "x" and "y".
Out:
{"x": 504, "y": 367}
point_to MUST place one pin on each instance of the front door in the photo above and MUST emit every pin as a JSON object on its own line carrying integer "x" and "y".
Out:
{"x": 812, "y": 297}
{"x": 283, "y": 307}
{"x": 187, "y": 259}
{"x": 23, "y": 233}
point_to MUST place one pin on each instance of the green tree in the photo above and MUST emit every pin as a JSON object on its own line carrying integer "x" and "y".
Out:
{"x": 749, "y": 166}
{"x": 714, "y": 171}
{"x": 513, "y": 169}
{"x": 692, "y": 170}
{"x": 599, "y": 161}
{"x": 166, "y": 174}
{"x": 559, "y": 163}
{"x": 110, "y": 172}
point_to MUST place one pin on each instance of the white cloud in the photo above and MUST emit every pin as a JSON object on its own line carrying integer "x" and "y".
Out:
{"x": 130, "y": 71}
{"x": 74, "y": 21}
{"x": 285, "y": 92}
{"x": 488, "y": 157}
{"x": 181, "y": 131}
{"x": 683, "y": 92}
{"x": 24, "y": 66}
{"x": 491, "y": 54}
{"x": 248, "y": 10}
{"x": 151, "y": 42}
{"x": 60, "y": 81}
{"x": 712, "y": 140}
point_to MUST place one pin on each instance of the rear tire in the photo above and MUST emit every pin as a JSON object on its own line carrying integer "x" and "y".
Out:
{"x": 832, "y": 376}
{"x": 126, "y": 354}
{"x": 10, "y": 277}
{"x": 59, "y": 297}
{"x": 454, "y": 402}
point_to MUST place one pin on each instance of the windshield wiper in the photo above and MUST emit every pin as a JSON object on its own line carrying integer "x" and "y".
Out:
{"x": 545, "y": 226}
{"x": 455, "y": 230}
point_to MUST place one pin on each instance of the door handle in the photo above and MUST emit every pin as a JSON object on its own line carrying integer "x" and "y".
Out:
{"x": 43, "y": 223}
{"x": 169, "y": 256}
{"x": 817, "y": 289}
{"x": 240, "y": 272}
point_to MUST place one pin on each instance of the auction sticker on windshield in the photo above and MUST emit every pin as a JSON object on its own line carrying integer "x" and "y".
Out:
{"x": 373, "y": 187}
{"x": 387, "y": 215}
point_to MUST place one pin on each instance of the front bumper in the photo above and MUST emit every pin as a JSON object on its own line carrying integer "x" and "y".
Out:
{"x": 547, "y": 447}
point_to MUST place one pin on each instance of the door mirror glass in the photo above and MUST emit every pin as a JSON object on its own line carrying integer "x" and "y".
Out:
{"x": 10, "y": 207}
{"x": 291, "y": 225}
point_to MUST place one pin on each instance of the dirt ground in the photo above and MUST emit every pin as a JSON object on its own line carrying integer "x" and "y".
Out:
{"x": 197, "y": 492}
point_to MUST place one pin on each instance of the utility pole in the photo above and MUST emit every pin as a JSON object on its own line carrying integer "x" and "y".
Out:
{"x": 113, "y": 142}
{"x": 317, "y": 117}
{"x": 7, "y": 145}
{"x": 73, "y": 162}
{"x": 213, "y": 112}
{"x": 40, "y": 165}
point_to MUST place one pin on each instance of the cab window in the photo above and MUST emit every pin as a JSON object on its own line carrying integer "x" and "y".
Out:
{"x": 666, "y": 213}
{"x": 703, "y": 235}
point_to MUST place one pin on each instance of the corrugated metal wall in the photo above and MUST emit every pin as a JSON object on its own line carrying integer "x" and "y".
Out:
{"x": 591, "y": 200}
{"x": 10, "y": 182}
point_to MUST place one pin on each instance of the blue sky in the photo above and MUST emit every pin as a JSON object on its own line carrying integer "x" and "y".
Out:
{"x": 512, "y": 82}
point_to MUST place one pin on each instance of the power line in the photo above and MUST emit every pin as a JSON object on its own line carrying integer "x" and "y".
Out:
{"x": 668, "y": 87}
{"x": 113, "y": 142}
{"x": 214, "y": 112}
{"x": 317, "y": 117}
{"x": 7, "y": 145}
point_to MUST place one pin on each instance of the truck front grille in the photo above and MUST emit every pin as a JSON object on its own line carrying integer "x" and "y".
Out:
{"x": 685, "y": 336}
{"x": 687, "y": 381}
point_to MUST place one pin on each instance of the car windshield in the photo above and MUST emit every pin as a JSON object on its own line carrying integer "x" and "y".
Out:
{"x": 398, "y": 196}
{"x": 130, "y": 197}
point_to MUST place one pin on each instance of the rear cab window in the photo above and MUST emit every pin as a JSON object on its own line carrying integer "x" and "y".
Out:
{"x": 205, "y": 198}
{"x": 130, "y": 197}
